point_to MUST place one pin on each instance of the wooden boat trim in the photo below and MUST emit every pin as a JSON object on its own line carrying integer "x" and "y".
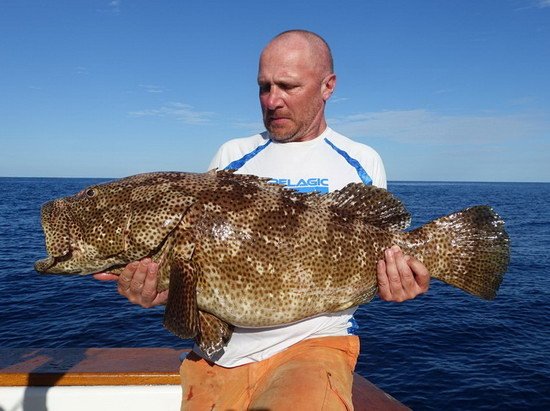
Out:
{"x": 57, "y": 367}
{"x": 89, "y": 366}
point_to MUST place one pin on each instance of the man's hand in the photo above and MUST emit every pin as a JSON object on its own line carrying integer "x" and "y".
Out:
{"x": 138, "y": 283}
{"x": 401, "y": 277}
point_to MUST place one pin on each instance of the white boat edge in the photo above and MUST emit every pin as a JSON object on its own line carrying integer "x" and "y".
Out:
{"x": 92, "y": 398}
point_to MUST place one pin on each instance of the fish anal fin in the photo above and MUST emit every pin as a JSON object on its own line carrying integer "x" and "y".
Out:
{"x": 372, "y": 205}
{"x": 181, "y": 316}
{"x": 214, "y": 333}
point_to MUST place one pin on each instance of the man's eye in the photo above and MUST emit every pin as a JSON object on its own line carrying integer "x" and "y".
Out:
{"x": 264, "y": 88}
{"x": 288, "y": 86}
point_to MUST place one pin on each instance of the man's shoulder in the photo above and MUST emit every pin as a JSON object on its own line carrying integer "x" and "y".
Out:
{"x": 237, "y": 148}
{"x": 352, "y": 147}
{"x": 363, "y": 158}
{"x": 245, "y": 143}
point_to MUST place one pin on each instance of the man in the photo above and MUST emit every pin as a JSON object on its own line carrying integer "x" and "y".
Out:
{"x": 307, "y": 365}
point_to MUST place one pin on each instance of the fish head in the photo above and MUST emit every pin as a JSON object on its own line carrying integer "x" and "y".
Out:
{"x": 109, "y": 225}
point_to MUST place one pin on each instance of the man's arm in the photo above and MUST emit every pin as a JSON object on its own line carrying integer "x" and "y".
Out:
{"x": 401, "y": 277}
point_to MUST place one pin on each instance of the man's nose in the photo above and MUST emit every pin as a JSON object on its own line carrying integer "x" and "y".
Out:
{"x": 273, "y": 99}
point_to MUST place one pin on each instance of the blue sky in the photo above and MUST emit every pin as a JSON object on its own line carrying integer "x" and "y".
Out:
{"x": 442, "y": 89}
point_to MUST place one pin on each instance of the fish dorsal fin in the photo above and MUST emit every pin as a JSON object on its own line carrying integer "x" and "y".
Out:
{"x": 374, "y": 206}
{"x": 265, "y": 183}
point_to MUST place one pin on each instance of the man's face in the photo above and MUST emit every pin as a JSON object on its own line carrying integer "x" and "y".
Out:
{"x": 292, "y": 93}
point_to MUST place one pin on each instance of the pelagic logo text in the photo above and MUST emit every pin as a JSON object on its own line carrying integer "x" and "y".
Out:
{"x": 305, "y": 185}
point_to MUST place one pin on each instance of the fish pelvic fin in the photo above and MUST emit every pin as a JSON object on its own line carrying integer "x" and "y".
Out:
{"x": 469, "y": 249}
{"x": 214, "y": 333}
{"x": 181, "y": 316}
{"x": 372, "y": 205}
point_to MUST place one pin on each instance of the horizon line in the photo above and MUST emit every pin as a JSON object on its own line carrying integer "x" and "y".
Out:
{"x": 389, "y": 181}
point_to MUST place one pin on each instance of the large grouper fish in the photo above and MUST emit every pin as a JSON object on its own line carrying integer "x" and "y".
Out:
{"x": 237, "y": 250}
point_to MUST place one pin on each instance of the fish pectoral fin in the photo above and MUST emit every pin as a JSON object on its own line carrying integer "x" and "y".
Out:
{"x": 181, "y": 316}
{"x": 214, "y": 333}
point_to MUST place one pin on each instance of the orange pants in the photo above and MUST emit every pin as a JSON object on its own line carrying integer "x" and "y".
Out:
{"x": 315, "y": 374}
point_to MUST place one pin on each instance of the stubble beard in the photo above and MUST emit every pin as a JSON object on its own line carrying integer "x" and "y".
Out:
{"x": 294, "y": 132}
{"x": 282, "y": 134}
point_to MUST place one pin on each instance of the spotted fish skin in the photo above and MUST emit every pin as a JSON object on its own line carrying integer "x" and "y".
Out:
{"x": 235, "y": 250}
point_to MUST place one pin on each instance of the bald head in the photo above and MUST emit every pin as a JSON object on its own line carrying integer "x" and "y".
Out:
{"x": 313, "y": 46}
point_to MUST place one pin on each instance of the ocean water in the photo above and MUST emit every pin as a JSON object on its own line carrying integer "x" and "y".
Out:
{"x": 445, "y": 350}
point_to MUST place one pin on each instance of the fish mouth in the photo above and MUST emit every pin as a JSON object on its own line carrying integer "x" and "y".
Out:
{"x": 60, "y": 247}
{"x": 47, "y": 265}
{"x": 62, "y": 265}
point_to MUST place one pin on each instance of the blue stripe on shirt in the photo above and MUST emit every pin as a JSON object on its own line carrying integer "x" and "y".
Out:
{"x": 365, "y": 178}
{"x": 235, "y": 165}
{"x": 353, "y": 326}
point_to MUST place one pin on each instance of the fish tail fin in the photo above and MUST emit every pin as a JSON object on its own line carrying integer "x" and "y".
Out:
{"x": 469, "y": 249}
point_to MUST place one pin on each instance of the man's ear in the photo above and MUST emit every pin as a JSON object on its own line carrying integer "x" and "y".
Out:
{"x": 328, "y": 85}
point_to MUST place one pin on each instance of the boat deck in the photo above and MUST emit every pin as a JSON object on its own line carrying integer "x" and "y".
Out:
{"x": 116, "y": 379}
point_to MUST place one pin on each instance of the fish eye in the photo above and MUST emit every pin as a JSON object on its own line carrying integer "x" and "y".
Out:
{"x": 90, "y": 192}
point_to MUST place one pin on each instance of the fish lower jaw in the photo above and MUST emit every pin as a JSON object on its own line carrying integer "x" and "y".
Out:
{"x": 70, "y": 265}
{"x": 44, "y": 264}
{"x": 56, "y": 270}
{"x": 55, "y": 265}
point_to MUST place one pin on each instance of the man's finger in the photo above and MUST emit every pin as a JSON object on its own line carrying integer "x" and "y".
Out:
{"x": 392, "y": 271}
{"x": 105, "y": 277}
{"x": 125, "y": 278}
{"x": 384, "y": 291}
{"x": 149, "y": 291}
{"x": 408, "y": 283}
{"x": 138, "y": 279}
{"x": 421, "y": 274}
